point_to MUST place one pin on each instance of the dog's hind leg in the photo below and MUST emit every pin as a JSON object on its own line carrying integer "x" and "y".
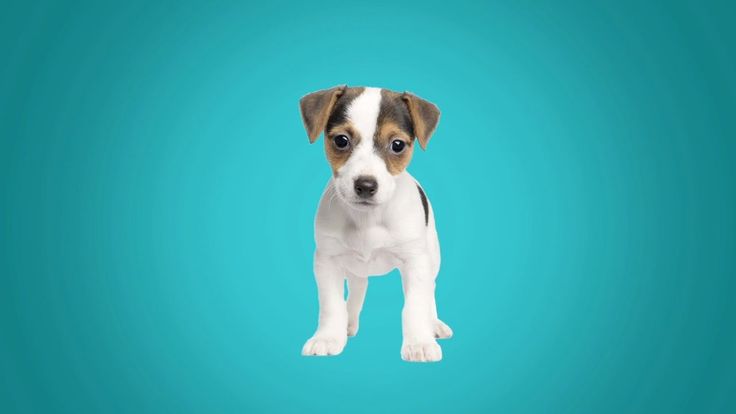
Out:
{"x": 357, "y": 287}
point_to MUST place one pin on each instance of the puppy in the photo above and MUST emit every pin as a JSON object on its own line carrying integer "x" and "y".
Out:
{"x": 373, "y": 216}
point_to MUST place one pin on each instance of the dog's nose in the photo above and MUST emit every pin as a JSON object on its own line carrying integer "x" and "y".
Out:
{"x": 365, "y": 186}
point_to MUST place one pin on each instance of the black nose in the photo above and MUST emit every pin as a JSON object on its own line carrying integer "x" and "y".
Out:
{"x": 365, "y": 186}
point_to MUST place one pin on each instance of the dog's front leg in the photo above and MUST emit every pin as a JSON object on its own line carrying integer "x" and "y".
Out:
{"x": 331, "y": 334}
{"x": 419, "y": 314}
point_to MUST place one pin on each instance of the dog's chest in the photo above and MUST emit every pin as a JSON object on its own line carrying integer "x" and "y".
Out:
{"x": 368, "y": 250}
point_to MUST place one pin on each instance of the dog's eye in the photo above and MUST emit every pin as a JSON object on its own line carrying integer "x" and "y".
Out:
{"x": 341, "y": 141}
{"x": 397, "y": 146}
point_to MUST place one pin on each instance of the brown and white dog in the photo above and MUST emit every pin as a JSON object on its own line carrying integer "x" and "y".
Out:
{"x": 373, "y": 216}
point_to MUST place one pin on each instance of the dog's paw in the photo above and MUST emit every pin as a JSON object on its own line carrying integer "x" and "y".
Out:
{"x": 428, "y": 351}
{"x": 321, "y": 345}
{"x": 353, "y": 328}
{"x": 441, "y": 330}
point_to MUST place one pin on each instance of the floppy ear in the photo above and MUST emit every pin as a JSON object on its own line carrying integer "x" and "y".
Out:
{"x": 316, "y": 109}
{"x": 424, "y": 115}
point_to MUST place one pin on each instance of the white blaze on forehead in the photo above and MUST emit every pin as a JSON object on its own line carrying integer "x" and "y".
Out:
{"x": 363, "y": 113}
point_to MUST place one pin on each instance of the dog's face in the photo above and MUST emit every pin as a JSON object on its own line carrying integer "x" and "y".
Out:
{"x": 369, "y": 137}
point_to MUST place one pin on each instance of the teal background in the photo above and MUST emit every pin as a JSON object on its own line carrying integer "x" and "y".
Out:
{"x": 158, "y": 192}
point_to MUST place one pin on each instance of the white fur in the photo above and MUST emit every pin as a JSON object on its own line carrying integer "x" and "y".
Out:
{"x": 363, "y": 114}
{"x": 355, "y": 242}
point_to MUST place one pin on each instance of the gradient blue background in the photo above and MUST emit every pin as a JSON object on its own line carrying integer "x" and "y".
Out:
{"x": 158, "y": 192}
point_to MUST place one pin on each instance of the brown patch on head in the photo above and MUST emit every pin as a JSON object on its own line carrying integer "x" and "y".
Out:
{"x": 325, "y": 111}
{"x": 337, "y": 157}
{"x": 339, "y": 112}
{"x": 394, "y": 123}
{"x": 386, "y": 133}
{"x": 338, "y": 124}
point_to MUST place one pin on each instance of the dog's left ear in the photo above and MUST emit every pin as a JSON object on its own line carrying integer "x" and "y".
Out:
{"x": 424, "y": 115}
{"x": 316, "y": 109}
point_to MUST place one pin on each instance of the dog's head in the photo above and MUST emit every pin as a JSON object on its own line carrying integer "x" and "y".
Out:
{"x": 369, "y": 137}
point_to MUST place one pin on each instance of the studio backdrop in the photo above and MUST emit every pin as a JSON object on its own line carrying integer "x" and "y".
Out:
{"x": 157, "y": 195}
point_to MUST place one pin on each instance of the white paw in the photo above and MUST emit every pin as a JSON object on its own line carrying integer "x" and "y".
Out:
{"x": 321, "y": 345}
{"x": 353, "y": 328}
{"x": 428, "y": 351}
{"x": 441, "y": 330}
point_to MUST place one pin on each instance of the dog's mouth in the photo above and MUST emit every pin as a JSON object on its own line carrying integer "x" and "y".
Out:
{"x": 354, "y": 202}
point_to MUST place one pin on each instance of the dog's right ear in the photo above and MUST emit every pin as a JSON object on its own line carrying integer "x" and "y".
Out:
{"x": 316, "y": 109}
